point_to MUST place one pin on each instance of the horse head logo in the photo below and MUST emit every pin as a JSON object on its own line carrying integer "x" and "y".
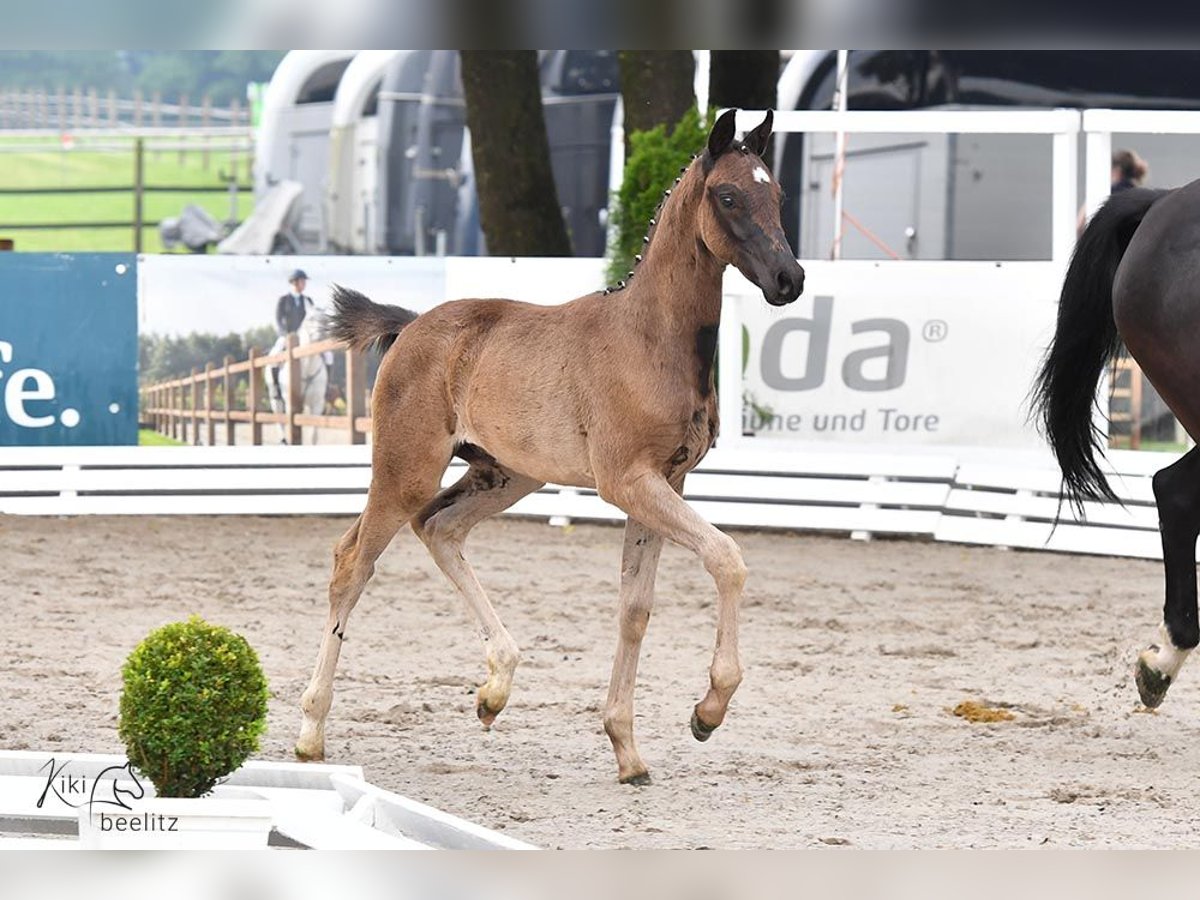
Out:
{"x": 114, "y": 784}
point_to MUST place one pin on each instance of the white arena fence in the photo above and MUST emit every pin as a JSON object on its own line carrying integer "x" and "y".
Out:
{"x": 963, "y": 495}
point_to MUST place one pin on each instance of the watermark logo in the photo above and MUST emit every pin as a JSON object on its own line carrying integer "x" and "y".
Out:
{"x": 105, "y": 789}
{"x": 108, "y": 797}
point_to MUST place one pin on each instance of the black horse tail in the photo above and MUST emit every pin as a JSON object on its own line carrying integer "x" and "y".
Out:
{"x": 1085, "y": 341}
{"x": 359, "y": 322}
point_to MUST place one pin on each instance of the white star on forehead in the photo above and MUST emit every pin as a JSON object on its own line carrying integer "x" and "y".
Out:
{"x": 760, "y": 175}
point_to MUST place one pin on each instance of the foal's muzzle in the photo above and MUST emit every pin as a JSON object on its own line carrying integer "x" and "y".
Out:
{"x": 784, "y": 285}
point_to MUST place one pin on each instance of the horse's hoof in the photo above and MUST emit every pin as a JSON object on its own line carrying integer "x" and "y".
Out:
{"x": 641, "y": 779}
{"x": 701, "y": 730}
{"x": 306, "y": 756}
{"x": 1151, "y": 684}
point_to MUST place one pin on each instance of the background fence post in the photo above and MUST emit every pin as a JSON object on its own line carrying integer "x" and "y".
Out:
{"x": 294, "y": 434}
{"x": 356, "y": 392}
{"x": 205, "y": 122}
{"x": 228, "y": 401}
{"x": 252, "y": 395}
{"x": 210, "y": 429}
{"x": 195, "y": 405}
{"x": 139, "y": 178}
{"x": 182, "y": 122}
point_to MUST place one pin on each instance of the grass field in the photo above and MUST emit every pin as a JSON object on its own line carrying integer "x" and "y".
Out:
{"x": 81, "y": 166}
{"x": 150, "y": 438}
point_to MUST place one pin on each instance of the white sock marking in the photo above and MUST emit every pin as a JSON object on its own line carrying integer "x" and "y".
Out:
{"x": 1169, "y": 658}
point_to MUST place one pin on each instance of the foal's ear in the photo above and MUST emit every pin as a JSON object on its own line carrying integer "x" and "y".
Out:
{"x": 757, "y": 139}
{"x": 722, "y": 134}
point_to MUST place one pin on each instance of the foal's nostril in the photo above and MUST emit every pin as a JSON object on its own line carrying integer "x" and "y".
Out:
{"x": 787, "y": 287}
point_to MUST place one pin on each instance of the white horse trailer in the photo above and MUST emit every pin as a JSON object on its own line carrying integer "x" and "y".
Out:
{"x": 293, "y": 138}
{"x": 352, "y": 211}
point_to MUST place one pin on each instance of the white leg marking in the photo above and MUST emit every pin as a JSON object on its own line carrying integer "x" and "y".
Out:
{"x": 1167, "y": 659}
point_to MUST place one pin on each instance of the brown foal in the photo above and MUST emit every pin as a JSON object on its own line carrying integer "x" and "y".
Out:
{"x": 612, "y": 391}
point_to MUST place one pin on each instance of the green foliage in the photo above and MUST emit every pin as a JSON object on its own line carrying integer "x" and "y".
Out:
{"x": 655, "y": 158}
{"x": 161, "y": 357}
{"x": 193, "y": 708}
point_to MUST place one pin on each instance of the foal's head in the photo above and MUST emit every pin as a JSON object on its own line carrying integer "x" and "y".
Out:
{"x": 739, "y": 217}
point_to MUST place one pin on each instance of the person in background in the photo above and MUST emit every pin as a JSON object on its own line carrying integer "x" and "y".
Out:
{"x": 1128, "y": 170}
{"x": 293, "y": 306}
{"x": 290, "y": 312}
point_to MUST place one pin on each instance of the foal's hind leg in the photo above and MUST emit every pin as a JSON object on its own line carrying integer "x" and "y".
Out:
{"x": 1177, "y": 490}
{"x": 486, "y": 489}
{"x": 398, "y": 490}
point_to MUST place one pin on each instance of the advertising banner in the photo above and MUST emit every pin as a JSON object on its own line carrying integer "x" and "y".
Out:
{"x": 180, "y": 295}
{"x": 68, "y": 349}
{"x": 903, "y": 353}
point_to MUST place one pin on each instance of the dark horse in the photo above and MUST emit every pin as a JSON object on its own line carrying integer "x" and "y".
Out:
{"x": 612, "y": 391}
{"x": 1135, "y": 277}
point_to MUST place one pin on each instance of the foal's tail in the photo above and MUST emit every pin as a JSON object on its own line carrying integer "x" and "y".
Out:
{"x": 357, "y": 321}
{"x": 1084, "y": 341}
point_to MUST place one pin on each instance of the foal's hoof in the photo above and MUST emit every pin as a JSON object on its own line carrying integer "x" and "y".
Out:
{"x": 641, "y": 779}
{"x": 701, "y": 730}
{"x": 486, "y": 714}
{"x": 309, "y": 755}
{"x": 1151, "y": 684}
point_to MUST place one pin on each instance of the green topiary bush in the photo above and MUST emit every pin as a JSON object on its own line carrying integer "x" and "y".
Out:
{"x": 653, "y": 165}
{"x": 193, "y": 707}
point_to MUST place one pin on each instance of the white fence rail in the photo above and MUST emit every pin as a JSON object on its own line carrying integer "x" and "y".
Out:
{"x": 968, "y": 496}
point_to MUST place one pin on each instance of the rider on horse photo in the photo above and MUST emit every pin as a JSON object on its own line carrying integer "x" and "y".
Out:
{"x": 296, "y": 313}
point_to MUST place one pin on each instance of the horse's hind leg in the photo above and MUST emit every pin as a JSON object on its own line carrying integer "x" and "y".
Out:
{"x": 400, "y": 485}
{"x": 486, "y": 489}
{"x": 1177, "y": 490}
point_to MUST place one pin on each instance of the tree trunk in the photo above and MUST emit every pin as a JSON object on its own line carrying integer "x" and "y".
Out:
{"x": 518, "y": 202}
{"x": 745, "y": 79}
{"x": 657, "y": 87}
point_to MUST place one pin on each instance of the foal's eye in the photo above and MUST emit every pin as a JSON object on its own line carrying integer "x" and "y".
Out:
{"x": 727, "y": 201}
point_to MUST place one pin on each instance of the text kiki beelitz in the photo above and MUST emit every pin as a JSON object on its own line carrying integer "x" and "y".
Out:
{"x": 114, "y": 787}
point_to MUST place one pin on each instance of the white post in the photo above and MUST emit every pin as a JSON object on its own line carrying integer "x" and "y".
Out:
{"x": 1097, "y": 170}
{"x": 839, "y": 153}
{"x": 729, "y": 372}
{"x": 1064, "y": 207}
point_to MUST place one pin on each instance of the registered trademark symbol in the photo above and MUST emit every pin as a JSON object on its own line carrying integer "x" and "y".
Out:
{"x": 934, "y": 331}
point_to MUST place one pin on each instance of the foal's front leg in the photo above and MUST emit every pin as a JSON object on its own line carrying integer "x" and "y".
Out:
{"x": 1177, "y": 491}
{"x": 639, "y": 565}
{"x": 649, "y": 498}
